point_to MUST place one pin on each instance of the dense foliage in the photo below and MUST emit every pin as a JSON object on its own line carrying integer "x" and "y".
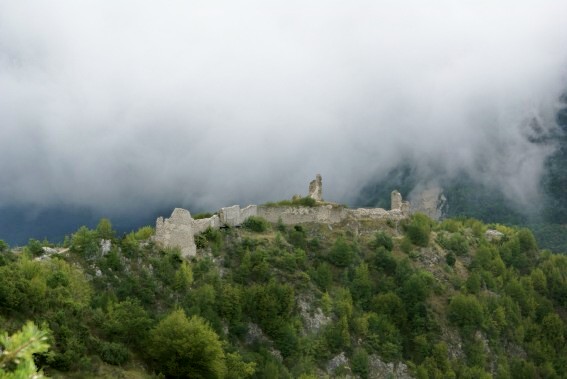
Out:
{"x": 276, "y": 301}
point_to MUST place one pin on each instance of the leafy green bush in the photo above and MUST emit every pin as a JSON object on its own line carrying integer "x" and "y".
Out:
{"x": 466, "y": 312}
{"x": 360, "y": 362}
{"x": 184, "y": 347}
{"x": 203, "y": 215}
{"x": 455, "y": 243}
{"x": 112, "y": 352}
{"x": 342, "y": 254}
{"x": 144, "y": 233}
{"x": 34, "y": 247}
{"x": 450, "y": 259}
{"x": 295, "y": 202}
{"x": 16, "y": 352}
{"x": 256, "y": 224}
{"x": 383, "y": 240}
{"x": 418, "y": 229}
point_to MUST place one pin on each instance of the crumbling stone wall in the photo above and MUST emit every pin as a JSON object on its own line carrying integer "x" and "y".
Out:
{"x": 316, "y": 188}
{"x": 396, "y": 200}
{"x": 177, "y": 231}
{"x": 180, "y": 229}
{"x": 234, "y": 216}
{"x": 324, "y": 214}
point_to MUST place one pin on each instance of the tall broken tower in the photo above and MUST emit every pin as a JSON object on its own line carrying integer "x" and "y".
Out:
{"x": 316, "y": 188}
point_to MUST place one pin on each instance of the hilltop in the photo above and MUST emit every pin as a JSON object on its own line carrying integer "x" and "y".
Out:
{"x": 367, "y": 297}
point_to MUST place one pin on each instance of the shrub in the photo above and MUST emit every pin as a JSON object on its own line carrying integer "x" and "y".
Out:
{"x": 295, "y": 202}
{"x": 202, "y": 215}
{"x": 360, "y": 362}
{"x": 450, "y": 259}
{"x": 186, "y": 348}
{"x": 112, "y": 352}
{"x": 256, "y": 224}
{"x": 383, "y": 240}
{"x": 342, "y": 254}
{"x": 144, "y": 233}
{"x": 34, "y": 247}
{"x": 418, "y": 229}
{"x": 465, "y": 311}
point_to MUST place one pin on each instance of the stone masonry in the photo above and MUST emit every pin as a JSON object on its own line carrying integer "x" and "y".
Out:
{"x": 180, "y": 229}
{"x": 316, "y": 188}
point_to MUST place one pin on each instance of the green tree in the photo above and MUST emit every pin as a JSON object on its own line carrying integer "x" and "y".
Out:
{"x": 256, "y": 224}
{"x": 184, "y": 347}
{"x": 360, "y": 362}
{"x": 361, "y": 287}
{"x": 127, "y": 321}
{"x": 104, "y": 229}
{"x": 84, "y": 242}
{"x": 183, "y": 277}
{"x": 466, "y": 312}
{"x": 16, "y": 352}
{"x": 383, "y": 240}
{"x": 342, "y": 254}
{"x": 418, "y": 229}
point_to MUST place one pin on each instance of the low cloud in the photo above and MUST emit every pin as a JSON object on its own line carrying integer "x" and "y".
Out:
{"x": 127, "y": 104}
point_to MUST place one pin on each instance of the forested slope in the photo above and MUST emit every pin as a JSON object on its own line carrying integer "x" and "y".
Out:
{"x": 433, "y": 299}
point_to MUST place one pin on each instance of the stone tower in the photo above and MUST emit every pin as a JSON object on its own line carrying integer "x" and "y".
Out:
{"x": 316, "y": 188}
{"x": 396, "y": 199}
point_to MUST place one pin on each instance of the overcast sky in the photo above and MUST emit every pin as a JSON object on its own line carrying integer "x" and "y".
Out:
{"x": 120, "y": 104}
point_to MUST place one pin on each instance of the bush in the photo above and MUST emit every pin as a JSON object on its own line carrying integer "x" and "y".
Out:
{"x": 186, "y": 348}
{"x": 112, "y": 352}
{"x": 256, "y": 224}
{"x": 383, "y": 240}
{"x": 295, "y": 202}
{"x": 360, "y": 363}
{"x": 418, "y": 229}
{"x": 466, "y": 312}
{"x": 34, "y": 247}
{"x": 342, "y": 254}
{"x": 450, "y": 259}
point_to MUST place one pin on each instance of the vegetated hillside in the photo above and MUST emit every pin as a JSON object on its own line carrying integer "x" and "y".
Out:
{"x": 467, "y": 197}
{"x": 369, "y": 299}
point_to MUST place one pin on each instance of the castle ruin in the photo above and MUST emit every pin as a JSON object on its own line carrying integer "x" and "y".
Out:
{"x": 180, "y": 229}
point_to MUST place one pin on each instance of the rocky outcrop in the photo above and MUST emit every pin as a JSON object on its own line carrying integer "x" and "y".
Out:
{"x": 337, "y": 361}
{"x": 430, "y": 201}
{"x": 493, "y": 235}
{"x": 378, "y": 369}
{"x": 316, "y": 188}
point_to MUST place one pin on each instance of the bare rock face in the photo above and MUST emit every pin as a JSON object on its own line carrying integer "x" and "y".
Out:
{"x": 336, "y": 362}
{"x": 316, "y": 188}
{"x": 378, "y": 369}
{"x": 493, "y": 235}
{"x": 430, "y": 201}
{"x": 177, "y": 231}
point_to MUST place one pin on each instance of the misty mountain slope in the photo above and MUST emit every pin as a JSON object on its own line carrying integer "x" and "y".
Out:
{"x": 555, "y": 179}
{"x": 304, "y": 301}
